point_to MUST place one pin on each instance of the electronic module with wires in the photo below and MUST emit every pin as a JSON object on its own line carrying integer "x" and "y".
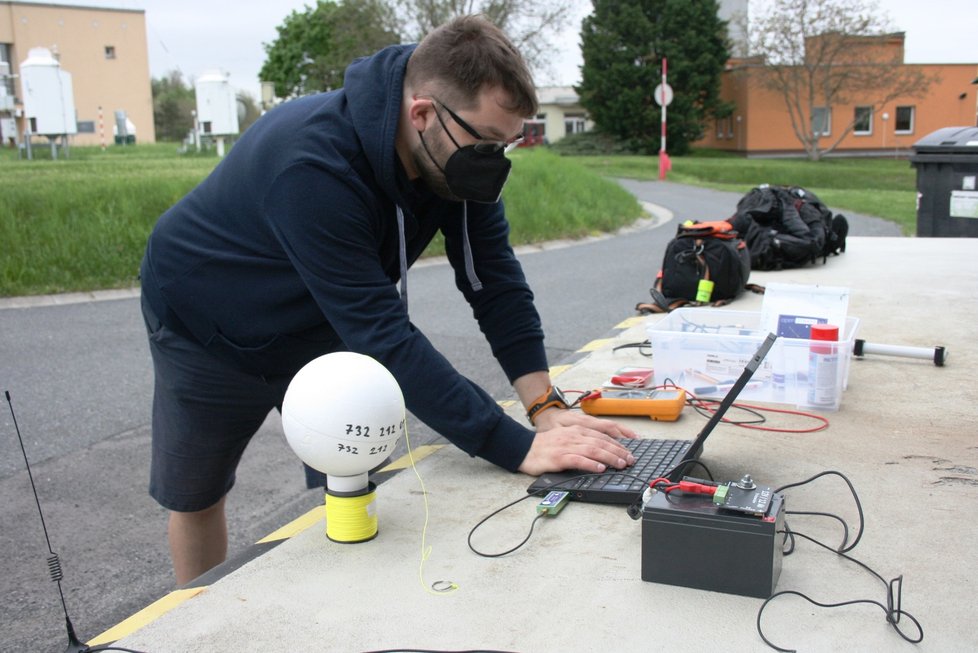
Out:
{"x": 553, "y": 503}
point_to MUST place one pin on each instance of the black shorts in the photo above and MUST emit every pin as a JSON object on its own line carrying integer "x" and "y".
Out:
{"x": 204, "y": 414}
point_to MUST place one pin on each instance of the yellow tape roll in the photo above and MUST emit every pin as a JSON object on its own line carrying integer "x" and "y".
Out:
{"x": 351, "y": 519}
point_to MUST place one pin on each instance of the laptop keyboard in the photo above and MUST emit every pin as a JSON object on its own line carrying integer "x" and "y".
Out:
{"x": 653, "y": 458}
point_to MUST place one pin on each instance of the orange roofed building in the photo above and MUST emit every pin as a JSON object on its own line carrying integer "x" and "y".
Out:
{"x": 760, "y": 124}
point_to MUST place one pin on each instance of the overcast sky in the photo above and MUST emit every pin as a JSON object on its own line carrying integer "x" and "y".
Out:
{"x": 194, "y": 36}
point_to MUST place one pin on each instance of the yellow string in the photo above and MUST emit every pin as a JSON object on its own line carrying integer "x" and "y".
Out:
{"x": 351, "y": 519}
{"x": 448, "y": 586}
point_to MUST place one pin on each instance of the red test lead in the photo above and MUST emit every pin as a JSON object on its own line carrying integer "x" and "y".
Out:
{"x": 689, "y": 487}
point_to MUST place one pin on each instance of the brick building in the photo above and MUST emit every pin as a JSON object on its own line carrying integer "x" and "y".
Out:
{"x": 104, "y": 51}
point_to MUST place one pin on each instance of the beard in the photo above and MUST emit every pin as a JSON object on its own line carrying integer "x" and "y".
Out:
{"x": 430, "y": 172}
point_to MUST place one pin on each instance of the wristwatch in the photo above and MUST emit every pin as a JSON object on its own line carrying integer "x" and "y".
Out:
{"x": 553, "y": 397}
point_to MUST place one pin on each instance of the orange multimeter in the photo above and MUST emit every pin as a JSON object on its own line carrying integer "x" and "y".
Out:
{"x": 659, "y": 404}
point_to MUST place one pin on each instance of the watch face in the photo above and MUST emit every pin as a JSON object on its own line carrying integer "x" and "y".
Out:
{"x": 557, "y": 394}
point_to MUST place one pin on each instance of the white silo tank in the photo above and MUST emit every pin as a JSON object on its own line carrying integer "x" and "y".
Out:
{"x": 49, "y": 101}
{"x": 217, "y": 105}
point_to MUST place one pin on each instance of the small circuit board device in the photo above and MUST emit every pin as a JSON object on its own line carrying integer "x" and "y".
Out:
{"x": 553, "y": 503}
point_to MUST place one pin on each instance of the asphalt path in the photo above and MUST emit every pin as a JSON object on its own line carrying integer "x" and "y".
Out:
{"x": 79, "y": 374}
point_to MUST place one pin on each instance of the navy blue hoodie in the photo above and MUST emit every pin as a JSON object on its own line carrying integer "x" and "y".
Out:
{"x": 289, "y": 249}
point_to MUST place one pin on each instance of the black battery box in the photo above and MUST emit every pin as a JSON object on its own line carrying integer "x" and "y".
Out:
{"x": 689, "y": 540}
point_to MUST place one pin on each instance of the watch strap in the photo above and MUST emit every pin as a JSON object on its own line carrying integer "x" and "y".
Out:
{"x": 552, "y": 398}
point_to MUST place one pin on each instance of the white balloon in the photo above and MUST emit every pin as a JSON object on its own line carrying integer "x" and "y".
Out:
{"x": 343, "y": 414}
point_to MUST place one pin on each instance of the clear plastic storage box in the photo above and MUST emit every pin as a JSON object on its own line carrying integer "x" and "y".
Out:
{"x": 704, "y": 351}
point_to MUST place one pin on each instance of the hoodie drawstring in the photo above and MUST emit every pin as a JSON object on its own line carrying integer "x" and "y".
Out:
{"x": 466, "y": 247}
{"x": 402, "y": 254}
{"x": 469, "y": 261}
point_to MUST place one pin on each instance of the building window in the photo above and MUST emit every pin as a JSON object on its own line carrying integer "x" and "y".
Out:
{"x": 110, "y": 52}
{"x": 6, "y": 79}
{"x": 725, "y": 127}
{"x": 821, "y": 121}
{"x": 904, "y": 120}
{"x": 573, "y": 124}
{"x": 862, "y": 121}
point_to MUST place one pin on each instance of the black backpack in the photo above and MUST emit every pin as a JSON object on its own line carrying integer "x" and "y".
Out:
{"x": 788, "y": 227}
{"x": 814, "y": 211}
{"x": 701, "y": 251}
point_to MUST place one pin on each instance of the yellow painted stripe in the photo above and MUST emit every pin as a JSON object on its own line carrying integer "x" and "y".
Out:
{"x": 557, "y": 370}
{"x": 146, "y": 616}
{"x": 419, "y": 453}
{"x": 630, "y": 322}
{"x": 296, "y": 526}
{"x": 595, "y": 345}
{"x": 506, "y": 403}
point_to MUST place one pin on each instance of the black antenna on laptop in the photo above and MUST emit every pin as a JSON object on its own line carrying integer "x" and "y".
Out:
{"x": 54, "y": 563}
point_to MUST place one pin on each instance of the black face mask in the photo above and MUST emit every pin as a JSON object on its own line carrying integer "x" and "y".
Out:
{"x": 472, "y": 175}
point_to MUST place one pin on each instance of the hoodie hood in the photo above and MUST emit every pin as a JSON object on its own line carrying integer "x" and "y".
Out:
{"x": 375, "y": 109}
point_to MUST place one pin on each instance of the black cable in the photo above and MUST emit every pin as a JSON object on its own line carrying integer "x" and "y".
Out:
{"x": 894, "y": 588}
{"x": 428, "y": 650}
{"x": 842, "y": 522}
{"x": 697, "y": 404}
{"x": 698, "y": 463}
{"x": 789, "y": 538}
{"x": 507, "y": 551}
{"x": 855, "y": 497}
{"x": 510, "y": 505}
{"x": 641, "y": 346}
{"x": 888, "y": 609}
{"x": 553, "y": 486}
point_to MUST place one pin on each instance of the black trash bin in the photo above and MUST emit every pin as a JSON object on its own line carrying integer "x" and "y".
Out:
{"x": 947, "y": 195}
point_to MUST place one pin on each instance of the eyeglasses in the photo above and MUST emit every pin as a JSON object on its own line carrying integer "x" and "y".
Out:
{"x": 485, "y": 145}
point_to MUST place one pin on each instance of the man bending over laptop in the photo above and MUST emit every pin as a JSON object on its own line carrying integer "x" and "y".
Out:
{"x": 294, "y": 247}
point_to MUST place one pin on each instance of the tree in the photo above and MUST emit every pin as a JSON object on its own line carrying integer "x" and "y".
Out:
{"x": 531, "y": 26}
{"x": 820, "y": 54}
{"x": 314, "y": 47}
{"x": 623, "y": 45}
{"x": 173, "y": 106}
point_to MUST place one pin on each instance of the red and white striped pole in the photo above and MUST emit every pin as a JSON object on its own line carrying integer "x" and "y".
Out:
{"x": 664, "y": 163}
{"x": 101, "y": 128}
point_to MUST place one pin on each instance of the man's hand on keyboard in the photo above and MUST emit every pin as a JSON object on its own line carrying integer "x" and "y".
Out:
{"x": 572, "y": 440}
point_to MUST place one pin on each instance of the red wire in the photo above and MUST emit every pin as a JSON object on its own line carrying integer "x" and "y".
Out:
{"x": 785, "y": 411}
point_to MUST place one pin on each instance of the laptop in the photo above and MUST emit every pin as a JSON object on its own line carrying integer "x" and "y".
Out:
{"x": 654, "y": 458}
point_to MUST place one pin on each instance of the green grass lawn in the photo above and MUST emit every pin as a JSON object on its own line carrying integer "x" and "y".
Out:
{"x": 81, "y": 223}
{"x": 880, "y": 187}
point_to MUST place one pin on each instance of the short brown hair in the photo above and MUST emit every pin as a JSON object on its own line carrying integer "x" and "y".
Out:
{"x": 468, "y": 54}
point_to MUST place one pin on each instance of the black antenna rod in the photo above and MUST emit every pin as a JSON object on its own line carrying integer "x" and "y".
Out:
{"x": 54, "y": 563}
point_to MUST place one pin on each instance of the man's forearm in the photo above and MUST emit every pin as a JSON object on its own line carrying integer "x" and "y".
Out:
{"x": 531, "y": 386}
